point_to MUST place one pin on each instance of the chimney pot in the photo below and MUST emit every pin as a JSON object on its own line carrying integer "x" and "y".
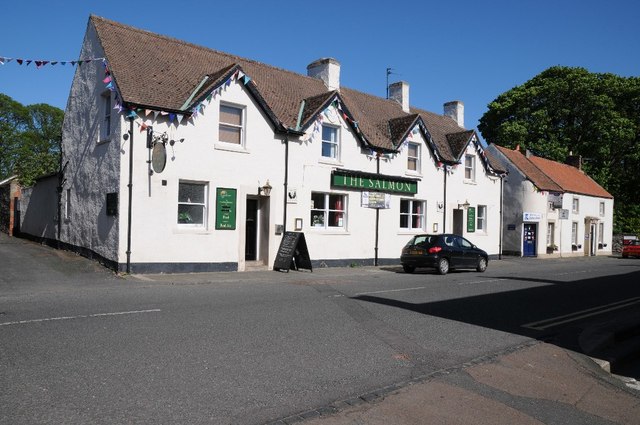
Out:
{"x": 455, "y": 110}
{"x": 399, "y": 91}
{"x": 327, "y": 70}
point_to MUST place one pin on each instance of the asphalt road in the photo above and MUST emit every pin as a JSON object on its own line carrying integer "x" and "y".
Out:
{"x": 81, "y": 345}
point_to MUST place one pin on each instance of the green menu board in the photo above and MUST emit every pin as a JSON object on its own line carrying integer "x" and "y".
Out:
{"x": 471, "y": 219}
{"x": 225, "y": 208}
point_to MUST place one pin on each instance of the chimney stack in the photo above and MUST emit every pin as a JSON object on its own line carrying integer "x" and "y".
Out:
{"x": 455, "y": 110}
{"x": 574, "y": 160}
{"x": 399, "y": 92}
{"x": 327, "y": 70}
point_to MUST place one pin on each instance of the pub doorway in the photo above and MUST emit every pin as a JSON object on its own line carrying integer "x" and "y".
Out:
{"x": 256, "y": 243}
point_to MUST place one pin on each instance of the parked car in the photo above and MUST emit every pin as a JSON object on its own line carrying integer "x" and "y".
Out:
{"x": 442, "y": 252}
{"x": 631, "y": 250}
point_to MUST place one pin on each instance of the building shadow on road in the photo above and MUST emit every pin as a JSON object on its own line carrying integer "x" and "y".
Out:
{"x": 556, "y": 312}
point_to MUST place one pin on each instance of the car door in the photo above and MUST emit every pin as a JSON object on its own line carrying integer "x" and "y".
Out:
{"x": 456, "y": 253}
{"x": 470, "y": 256}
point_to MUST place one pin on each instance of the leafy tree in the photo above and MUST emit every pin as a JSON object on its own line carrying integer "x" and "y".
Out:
{"x": 30, "y": 138}
{"x": 567, "y": 110}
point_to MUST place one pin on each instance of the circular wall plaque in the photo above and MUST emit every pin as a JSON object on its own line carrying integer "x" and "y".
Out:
{"x": 158, "y": 157}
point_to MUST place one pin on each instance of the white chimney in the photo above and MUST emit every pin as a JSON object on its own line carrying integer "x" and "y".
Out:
{"x": 400, "y": 93}
{"x": 455, "y": 110}
{"x": 327, "y": 70}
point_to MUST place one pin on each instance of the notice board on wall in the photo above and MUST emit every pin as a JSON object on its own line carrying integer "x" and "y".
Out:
{"x": 292, "y": 253}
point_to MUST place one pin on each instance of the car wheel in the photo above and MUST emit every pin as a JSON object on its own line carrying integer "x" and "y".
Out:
{"x": 443, "y": 266}
{"x": 482, "y": 264}
{"x": 408, "y": 269}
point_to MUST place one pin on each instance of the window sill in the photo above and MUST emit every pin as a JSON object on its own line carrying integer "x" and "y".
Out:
{"x": 192, "y": 230}
{"x": 326, "y": 231}
{"x": 329, "y": 161}
{"x": 411, "y": 231}
{"x": 230, "y": 147}
{"x": 103, "y": 141}
{"x": 413, "y": 174}
{"x": 473, "y": 182}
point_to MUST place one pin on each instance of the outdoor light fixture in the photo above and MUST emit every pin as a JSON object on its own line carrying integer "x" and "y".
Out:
{"x": 265, "y": 190}
{"x": 465, "y": 205}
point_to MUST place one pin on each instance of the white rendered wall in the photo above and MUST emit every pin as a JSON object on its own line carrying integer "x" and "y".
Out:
{"x": 93, "y": 167}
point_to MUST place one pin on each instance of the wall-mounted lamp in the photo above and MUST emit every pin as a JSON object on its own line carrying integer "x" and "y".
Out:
{"x": 265, "y": 190}
{"x": 465, "y": 205}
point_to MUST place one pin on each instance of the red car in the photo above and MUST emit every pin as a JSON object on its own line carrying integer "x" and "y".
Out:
{"x": 631, "y": 250}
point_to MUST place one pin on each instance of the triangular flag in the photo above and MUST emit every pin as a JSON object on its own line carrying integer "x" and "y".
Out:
{"x": 143, "y": 127}
{"x": 107, "y": 80}
{"x": 38, "y": 64}
{"x": 19, "y": 61}
{"x": 155, "y": 114}
{"x": 180, "y": 116}
{"x": 63, "y": 63}
{"x": 2, "y": 61}
{"x": 54, "y": 63}
{"x": 29, "y": 62}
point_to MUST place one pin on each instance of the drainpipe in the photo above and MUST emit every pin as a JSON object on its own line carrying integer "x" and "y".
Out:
{"x": 130, "y": 186}
{"x": 375, "y": 259}
{"x": 502, "y": 218}
{"x": 444, "y": 209}
{"x": 286, "y": 182}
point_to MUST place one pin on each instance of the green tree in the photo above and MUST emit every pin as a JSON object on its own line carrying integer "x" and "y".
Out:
{"x": 30, "y": 139}
{"x": 567, "y": 110}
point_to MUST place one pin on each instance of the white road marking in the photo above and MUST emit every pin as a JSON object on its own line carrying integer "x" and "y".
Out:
{"x": 390, "y": 290}
{"x": 578, "y": 315}
{"x": 82, "y": 316}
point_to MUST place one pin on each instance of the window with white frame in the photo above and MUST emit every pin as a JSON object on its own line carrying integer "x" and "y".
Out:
{"x": 601, "y": 233}
{"x": 231, "y": 129}
{"x": 105, "y": 126}
{"x": 412, "y": 214}
{"x": 328, "y": 210}
{"x": 574, "y": 233}
{"x": 601, "y": 209}
{"x": 192, "y": 204}
{"x": 413, "y": 157}
{"x": 67, "y": 206}
{"x": 470, "y": 167}
{"x": 330, "y": 142}
{"x": 551, "y": 230}
{"x": 575, "y": 206}
{"x": 481, "y": 218}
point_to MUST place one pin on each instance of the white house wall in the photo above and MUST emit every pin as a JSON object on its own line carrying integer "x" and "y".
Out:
{"x": 92, "y": 167}
{"x": 157, "y": 236}
{"x": 484, "y": 190}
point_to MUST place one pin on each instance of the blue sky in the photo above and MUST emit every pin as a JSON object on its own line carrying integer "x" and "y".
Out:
{"x": 447, "y": 50}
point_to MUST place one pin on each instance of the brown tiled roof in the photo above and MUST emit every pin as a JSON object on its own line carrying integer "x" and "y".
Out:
{"x": 530, "y": 170}
{"x": 163, "y": 73}
{"x": 553, "y": 176}
{"x": 570, "y": 178}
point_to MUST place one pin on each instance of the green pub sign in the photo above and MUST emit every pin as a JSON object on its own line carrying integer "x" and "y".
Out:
{"x": 374, "y": 182}
{"x": 225, "y": 208}
{"x": 471, "y": 219}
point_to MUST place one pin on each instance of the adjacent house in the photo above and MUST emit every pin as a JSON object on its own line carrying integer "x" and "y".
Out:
{"x": 10, "y": 194}
{"x": 553, "y": 209}
{"x": 178, "y": 157}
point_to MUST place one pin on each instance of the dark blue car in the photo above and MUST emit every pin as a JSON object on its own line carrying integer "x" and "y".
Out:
{"x": 443, "y": 253}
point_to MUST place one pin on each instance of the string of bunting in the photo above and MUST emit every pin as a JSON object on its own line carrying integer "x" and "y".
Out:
{"x": 39, "y": 63}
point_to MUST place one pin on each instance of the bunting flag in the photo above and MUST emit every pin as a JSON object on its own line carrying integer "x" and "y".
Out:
{"x": 40, "y": 63}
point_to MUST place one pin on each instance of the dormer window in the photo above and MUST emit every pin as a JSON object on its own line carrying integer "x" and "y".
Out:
{"x": 413, "y": 157}
{"x": 330, "y": 142}
{"x": 470, "y": 168}
{"x": 231, "y": 124}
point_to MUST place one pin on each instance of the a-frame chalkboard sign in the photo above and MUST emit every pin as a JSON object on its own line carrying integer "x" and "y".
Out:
{"x": 293, "y": 253}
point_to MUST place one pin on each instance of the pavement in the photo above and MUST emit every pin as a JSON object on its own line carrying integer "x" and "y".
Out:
{"x": 534, "y": 383}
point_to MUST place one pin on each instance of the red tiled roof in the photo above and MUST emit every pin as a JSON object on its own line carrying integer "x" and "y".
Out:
{"x": 160, "y": 72}
{"x": 570, "y": 178}
{"x": 553, "y": 176}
